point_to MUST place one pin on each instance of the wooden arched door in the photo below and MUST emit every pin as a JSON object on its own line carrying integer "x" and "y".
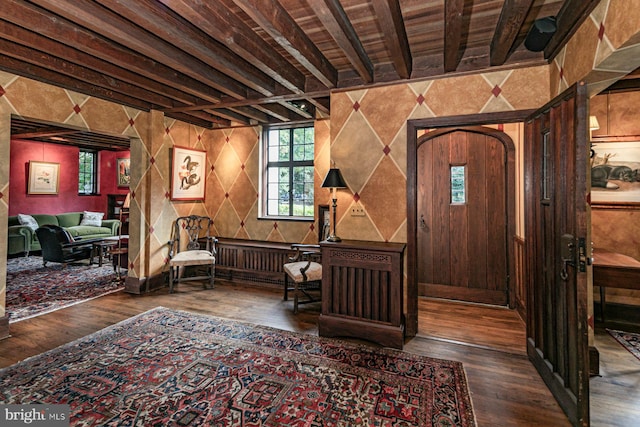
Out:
{"x": 465, "y": 214}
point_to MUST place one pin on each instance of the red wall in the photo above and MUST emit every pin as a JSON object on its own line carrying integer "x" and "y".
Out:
{"x": 67, "y": 199}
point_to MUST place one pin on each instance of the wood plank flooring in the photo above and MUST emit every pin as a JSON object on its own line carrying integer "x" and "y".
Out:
{"x": 505, "y": 388}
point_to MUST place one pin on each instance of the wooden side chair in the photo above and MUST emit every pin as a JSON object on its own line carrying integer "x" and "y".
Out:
{"x": 192, "y": 246}
{"x": 303, "y": 274}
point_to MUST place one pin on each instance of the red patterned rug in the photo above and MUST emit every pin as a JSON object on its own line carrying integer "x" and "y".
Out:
{"x": 33, "y": 289}
{"x": 167, "y": 367}
{"x": 628, "y": 340}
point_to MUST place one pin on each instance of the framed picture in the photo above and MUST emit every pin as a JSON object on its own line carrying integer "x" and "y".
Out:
{"x": 43, "y": 177}
{"x": 124, "y": 172}
{"x": 615, "y": 171}
{"x": 324, "y": 222}
{"x": 188, "y": 173}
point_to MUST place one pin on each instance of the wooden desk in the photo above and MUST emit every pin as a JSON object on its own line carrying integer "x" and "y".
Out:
{"x": 362, "y": 291}
{"x": 614, "y": 270}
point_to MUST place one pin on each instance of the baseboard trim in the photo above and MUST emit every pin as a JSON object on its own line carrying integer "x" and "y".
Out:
{"x": 4, "y": 327}
{"x": 142, "y": 285}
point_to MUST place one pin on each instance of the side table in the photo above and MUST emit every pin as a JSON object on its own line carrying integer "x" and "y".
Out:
{"x": 102, "y": 249}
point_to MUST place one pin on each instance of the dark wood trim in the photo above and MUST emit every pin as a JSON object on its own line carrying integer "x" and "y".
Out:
{"x": 520, "y": 277}
{"x": 594, "y": 361}
{"x": 4, "y": 327}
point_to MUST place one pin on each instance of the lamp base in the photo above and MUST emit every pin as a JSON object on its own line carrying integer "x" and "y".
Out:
{"x": 333, "y": 238}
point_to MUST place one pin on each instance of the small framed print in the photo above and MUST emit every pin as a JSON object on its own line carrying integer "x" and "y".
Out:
{"x": 615, "y": 171}
{"x": 124, "y": 172}
{"x": 44, "y": 177}
{"x": 188, "y": 174}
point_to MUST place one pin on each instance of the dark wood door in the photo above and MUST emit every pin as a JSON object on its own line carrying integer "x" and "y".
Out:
{"x": 556, "y": 244}
{"x": 464, "y": 206}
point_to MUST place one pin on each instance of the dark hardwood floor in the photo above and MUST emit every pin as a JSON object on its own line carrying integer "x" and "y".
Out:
{"x": 505, "y": 388}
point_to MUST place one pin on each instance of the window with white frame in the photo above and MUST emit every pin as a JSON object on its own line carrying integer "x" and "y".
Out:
{"x": 288, "y": 179}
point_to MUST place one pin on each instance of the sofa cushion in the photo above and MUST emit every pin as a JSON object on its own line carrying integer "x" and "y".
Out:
{"x": 69, "y": 219}
{"x": 92, "y": 218}
{"x": 28, "y": 220}
{"x": 87, "y": 230}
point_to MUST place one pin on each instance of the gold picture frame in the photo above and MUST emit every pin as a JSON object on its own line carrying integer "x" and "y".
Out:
{"x": 188, "y": 169}
{"x": 124, "y": 172}
{"x": 44, "y": 177}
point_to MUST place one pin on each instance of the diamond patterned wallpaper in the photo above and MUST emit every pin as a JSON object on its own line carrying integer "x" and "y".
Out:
{"x": 370, "y": 122}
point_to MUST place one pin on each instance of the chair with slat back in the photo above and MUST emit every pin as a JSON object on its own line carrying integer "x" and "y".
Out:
{"x": 303, "y": 274}
{"x": 193, "y": 246}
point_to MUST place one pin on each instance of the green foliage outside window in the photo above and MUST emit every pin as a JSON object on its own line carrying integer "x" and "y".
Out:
{"x": 87, "y": 172}
{"x": 290, "y": 172}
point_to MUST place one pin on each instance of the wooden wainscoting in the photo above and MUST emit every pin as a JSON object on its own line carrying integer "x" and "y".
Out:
{"x": 252, "y": 262}
{"x": 519, "y": 283}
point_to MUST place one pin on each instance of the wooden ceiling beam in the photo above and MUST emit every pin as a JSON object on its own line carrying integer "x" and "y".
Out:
{"x": 220, "y": 23}
{"x": 91, "y": 77}
{"x": 453, "y": 14}
{"x": 512, "y": 17}
{"x": 568, "y": 20}
{"x": 112, "y": 74}
{"x": 335, "y": 20}
{"x": 45, "y": 75}
{"x": 252, "y": 101}
{"x": 389, "y": 16}
{"x": 30, "y": 16}
{"x": 108, "y": 24}
{"x": 277, "y": 22}
{"x": 43, "y": 133}
{"x": 179, "y": 33}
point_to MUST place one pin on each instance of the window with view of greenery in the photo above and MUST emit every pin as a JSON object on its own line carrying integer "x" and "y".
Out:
{"x": 88, "y": 172}
{"x": 289, "y": 171}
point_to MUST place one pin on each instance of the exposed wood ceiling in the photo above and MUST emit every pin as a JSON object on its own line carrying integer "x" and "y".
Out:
{"x": 220, "y": 63}
{"x": 53, "y": 133}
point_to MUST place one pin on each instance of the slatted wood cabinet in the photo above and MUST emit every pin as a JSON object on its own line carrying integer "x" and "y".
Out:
{"x": 362, "y": 293}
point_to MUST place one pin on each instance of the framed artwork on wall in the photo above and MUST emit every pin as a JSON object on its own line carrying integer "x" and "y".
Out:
{"x": 324, "y": 222}
{"x": 44, "y": 177}
{"x": 188, "y": 174}
{"x": 615, "y": 171}
{"x": 124, "y": 172}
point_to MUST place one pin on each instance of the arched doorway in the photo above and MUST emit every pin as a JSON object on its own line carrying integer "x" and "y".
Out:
{"x": 465, "y": 208}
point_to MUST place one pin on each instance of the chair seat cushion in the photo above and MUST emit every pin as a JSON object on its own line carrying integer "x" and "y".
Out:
{"x": 195, "y": 257}
{"x": 313, "y": 273}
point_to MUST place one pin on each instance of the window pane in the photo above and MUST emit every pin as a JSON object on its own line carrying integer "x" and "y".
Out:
{"x": 458, "y": 194}
{"x": 290, "y": 172}
{"x": 87, "y": 172}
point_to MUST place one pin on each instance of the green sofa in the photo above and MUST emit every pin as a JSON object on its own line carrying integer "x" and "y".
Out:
{"x": 22, "y": 239}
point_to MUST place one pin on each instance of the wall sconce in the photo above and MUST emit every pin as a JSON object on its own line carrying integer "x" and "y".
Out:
{"x": 334, "y": 180}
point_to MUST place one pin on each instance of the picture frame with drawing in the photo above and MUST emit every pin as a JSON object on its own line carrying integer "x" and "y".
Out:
{"x": 124, "y": 172}
{"x": 44, "y": 177}
{"x": 615, "y": 171}
{"x": 188, "y": 174}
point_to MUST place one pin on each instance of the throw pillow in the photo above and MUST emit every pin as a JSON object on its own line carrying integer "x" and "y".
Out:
{"x": 92, "y": 218}
{"x": 28, "y": 220}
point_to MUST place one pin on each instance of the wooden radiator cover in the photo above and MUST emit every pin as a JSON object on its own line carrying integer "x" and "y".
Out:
{"x": 362, "y": 291}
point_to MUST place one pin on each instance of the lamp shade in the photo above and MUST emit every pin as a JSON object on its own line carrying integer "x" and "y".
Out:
{"x": 593, "y": 123}
{"x": 334, "y": 179}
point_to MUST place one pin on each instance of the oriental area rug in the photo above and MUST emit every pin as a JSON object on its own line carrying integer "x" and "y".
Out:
{"x": 166, "y": 367}
{"x": 33, "y": 289}
{"x": 629, "y": 340}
